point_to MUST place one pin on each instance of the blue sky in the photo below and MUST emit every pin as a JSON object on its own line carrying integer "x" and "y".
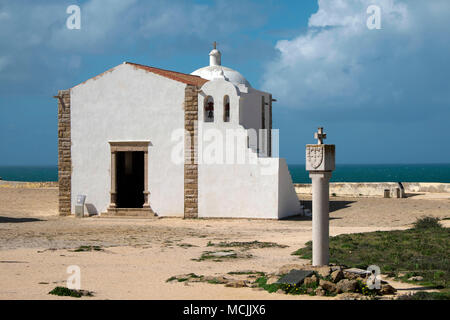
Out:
{"x": 383, "y": 95}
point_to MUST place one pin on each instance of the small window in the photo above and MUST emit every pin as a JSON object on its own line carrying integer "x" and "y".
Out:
{"x": 209, "y": 109}
{"x": 226, "y": 109}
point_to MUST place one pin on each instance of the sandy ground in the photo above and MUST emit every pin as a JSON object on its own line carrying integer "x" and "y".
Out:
{"x": 36, "y": 246}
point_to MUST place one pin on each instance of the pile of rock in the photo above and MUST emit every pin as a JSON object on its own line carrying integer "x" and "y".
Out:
{"x": 243, "y": 281}
{"x": 331, "y": 280}
{"x": 306, "y": 279}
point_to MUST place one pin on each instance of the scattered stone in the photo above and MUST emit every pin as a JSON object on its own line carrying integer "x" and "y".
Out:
{"x": 417, "y": 278}
{"x": 349, "y": 296}
{"x": 337, "y": 276}
{"x": 236, "y": 284}
{"x": 288, "y": 267}
{"x": 258, "y": 289}
{"x": 295, "y": 277}
{"x": 346, "y": 285}
{"x": 323, "y": 271}
{"x": 334, "y": 268}
{"x": 222, "y": 254}
{"x": 218, "y": 279}
{"x": 310, "y": 291}
{"x": 272, "y": 280}
{"x": 357, "y": 271}
{"x": 280, "y": 291}
{"x": 310, "y": 280}
{"x": 319, "y": 292}
{"x": 328, "y": 286}
{"x": 359, "y": 279}
{"x": 387, "y": 289}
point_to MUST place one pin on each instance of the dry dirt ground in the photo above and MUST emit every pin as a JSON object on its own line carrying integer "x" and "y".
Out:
{"x": 36, "y": 246}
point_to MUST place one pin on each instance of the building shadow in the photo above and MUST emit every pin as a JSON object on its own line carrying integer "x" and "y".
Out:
{"x": 304, "y": 218}
{"x": 91, "y": 209}
{"x": 18, "y": 220}
{"x": 411, "y": 195}
{"x": 335, "y": 205}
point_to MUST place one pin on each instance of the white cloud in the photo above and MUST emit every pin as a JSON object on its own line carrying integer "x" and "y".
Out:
{"x": 338, "y": 62}
{"x": 34, "y": 34}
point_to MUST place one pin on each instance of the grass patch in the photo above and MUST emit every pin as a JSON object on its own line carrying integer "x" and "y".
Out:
{"x": 421, "y": 295}
{"x": 262, "y": 283}
{"x": 215, "y": 255}
{"x": 287, "y": 288}
{"x": 246, "y": 272}
{"x": 214, "y": 281}
{"x": 88, "y": 248}
{"x": 247, "y": 245}
{"x": 420, "y": 251}
{"x": 186, "y": 245}
{"x": 63, "y": 291}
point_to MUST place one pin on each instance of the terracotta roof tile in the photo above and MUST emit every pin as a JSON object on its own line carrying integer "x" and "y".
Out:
{"x": 177, "y": 76}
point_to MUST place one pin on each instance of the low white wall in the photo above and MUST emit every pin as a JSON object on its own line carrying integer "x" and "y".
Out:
{"x": 288, "y": 202}
{"x": 376, "y": 188}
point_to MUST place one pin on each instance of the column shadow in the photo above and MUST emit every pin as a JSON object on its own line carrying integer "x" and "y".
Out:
{"x": 18, "y": 220}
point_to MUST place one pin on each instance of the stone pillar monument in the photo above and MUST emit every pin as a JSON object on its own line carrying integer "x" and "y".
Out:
{"x": 320, "y": 162}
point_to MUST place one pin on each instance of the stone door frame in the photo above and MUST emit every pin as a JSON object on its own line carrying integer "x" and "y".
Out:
{"x": 128, "y": 146}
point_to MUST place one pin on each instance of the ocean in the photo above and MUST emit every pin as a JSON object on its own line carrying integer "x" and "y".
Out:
{"x": 343, "y": 173}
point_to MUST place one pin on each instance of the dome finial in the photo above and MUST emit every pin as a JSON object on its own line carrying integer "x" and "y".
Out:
{"x": 215, "y": 56}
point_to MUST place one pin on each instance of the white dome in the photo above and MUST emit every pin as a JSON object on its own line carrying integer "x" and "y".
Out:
{"x": 215, "y": 72}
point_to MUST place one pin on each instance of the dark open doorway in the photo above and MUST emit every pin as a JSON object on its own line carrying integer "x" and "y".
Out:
{"x": 130, "y": 179}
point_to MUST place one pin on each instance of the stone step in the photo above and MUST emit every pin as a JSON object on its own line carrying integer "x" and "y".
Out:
{"x": 129, "y": 212}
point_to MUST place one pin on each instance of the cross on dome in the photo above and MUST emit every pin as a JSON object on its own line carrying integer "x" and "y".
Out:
{"x": 320, "y": 136}
{"x": 215, "y": 70}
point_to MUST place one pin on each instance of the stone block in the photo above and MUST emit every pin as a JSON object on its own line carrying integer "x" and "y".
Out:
{"x": 295, "y": 277}
{"x": 320, "y": 157}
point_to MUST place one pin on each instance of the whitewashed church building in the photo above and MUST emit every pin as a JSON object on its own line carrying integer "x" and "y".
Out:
{"x": 139, "y": 140}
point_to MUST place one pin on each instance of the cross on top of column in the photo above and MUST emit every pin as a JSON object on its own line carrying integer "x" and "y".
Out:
{"x": 320, "y": 136}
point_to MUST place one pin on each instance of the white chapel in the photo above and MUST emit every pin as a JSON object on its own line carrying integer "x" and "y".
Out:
{"x": 139, "y": 140}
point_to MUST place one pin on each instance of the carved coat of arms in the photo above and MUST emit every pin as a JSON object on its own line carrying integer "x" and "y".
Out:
{"x": 314, "y": 156}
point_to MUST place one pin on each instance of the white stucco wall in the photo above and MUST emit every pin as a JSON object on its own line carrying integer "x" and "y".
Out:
{"x": 288, "y": 202}
{"x": 255, "y": 188}
{"x": 127, "y": 104}
{"x": 251, "y": 117}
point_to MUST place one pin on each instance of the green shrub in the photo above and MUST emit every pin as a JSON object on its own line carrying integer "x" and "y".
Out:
{"x": 427, "y": 223}
{"x": 63, "y": 291}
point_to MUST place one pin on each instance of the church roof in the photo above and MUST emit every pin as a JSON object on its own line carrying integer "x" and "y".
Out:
{"x": 177, "y": 76}
{"x": 215, "y": 70}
